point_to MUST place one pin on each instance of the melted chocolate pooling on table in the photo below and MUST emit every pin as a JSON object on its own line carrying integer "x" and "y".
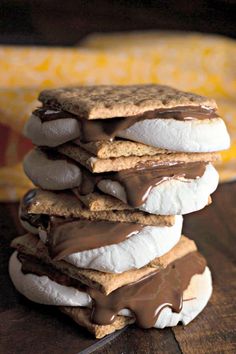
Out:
{"x": 69, "y": 237}
{"x": 107, "y": 129}
{"x": 145, "y": 297}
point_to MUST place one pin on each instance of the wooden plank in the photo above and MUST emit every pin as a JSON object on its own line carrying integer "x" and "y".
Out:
{"x": 214, "y": 230}
{"x": 136, "y": 340}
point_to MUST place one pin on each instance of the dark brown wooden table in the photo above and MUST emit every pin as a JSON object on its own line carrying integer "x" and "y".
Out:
{"x": 29, "y": 328}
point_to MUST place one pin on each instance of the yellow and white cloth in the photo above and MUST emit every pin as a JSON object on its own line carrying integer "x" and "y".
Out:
{"x": 204, "y": 64}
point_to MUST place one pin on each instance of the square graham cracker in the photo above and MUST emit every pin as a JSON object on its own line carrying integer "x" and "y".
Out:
{"x": 66, "y": 204}
{"x": 109, "y": 101}
{"x": 97, "y": 165}
{"x": 105, "y": 149}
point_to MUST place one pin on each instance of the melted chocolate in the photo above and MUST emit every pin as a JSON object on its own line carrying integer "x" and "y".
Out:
{"x": 89, "y": 181}
{"x": 137, "y": 184}
{"x": 148, "y": 296}
{"x": 80, "y": 235}
{"x": 33, "y": 265}
{"x": 47, "y": 113}
{"x": 107, "y": 129}
{"x": 35, "y": 220}
{"x": 145, "y": 297}
{"x": 139, "y": 181}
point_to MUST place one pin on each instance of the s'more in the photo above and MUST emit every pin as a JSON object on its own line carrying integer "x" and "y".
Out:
{"x": 115, "y": 168}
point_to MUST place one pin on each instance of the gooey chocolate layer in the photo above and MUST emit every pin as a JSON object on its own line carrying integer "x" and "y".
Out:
{"x": 107, "y": 129}
{"x": 35, "y": 220}
{"x": 138, "y": 182}
{"x": 145, "y": 298}
{"x": 68, "y": 237}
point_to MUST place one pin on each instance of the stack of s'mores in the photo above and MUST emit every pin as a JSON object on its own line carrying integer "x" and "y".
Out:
{"x": 115, "y": 168}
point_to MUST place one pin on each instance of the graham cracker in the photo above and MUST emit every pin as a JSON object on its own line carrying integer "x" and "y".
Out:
{"x": 109, "y": 101}
{"x": 66, "y": 204}
{"x": 97, "y": 202}
{"x": 105, "y": 282}
{"x": 104, "y": 149}
{"x": 100, "y": 202}
{"x": 97, "y": 165}
{"x": 82, "y": 316}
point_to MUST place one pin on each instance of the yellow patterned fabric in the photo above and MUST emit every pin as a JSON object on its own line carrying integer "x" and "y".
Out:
{"x": 203, "y": 64}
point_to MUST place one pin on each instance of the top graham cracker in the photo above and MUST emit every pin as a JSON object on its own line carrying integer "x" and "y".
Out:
{"x": 109, "y": 101}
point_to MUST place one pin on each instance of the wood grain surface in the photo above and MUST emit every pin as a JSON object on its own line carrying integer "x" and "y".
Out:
{"x": 29, "y": 328}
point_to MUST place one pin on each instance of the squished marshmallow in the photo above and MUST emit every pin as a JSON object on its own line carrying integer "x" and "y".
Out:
{"x": 51, "y": 133}
{"x": 133, "y": 253}
{"x": 45, "y": 291}
{"x": 188, "y": 136}
{"x": 172, "y": 197}
{"x": 52, "y": 174}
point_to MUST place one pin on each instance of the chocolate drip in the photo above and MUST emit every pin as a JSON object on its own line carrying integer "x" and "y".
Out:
{"x": 148, "y": 296}
{"x": 139, "y": 182}
{"x": 75, "y": 236}
{"x": 145, "y": 298}
{"x": 89, "y": 181}
{"x": 107, "y": 129}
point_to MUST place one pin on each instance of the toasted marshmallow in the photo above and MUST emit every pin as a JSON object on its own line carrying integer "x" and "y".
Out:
{"x": 51, "y": 133}
{"x": 172, "y": 197}
{"x": 42, "y": 290}
{"x": 133, "y": 253}
{"x": 188, "y": 136}
{"x": 52, "y": 174}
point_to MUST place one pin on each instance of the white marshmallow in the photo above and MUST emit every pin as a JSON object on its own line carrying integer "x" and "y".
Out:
{"x": 45, "y": 291}
{"x": 199, "y": 291}
{"x": 172, "y": 197}
{"x": 189, "y": 136}
{"x": 52, "y": 174}
{"x": 51, "y": 133}
{"x": 133, "y": 253}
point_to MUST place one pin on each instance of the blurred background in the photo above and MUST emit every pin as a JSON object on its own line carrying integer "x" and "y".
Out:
{"x": 190, "y": 45}
{"x": 57, "y": 22}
